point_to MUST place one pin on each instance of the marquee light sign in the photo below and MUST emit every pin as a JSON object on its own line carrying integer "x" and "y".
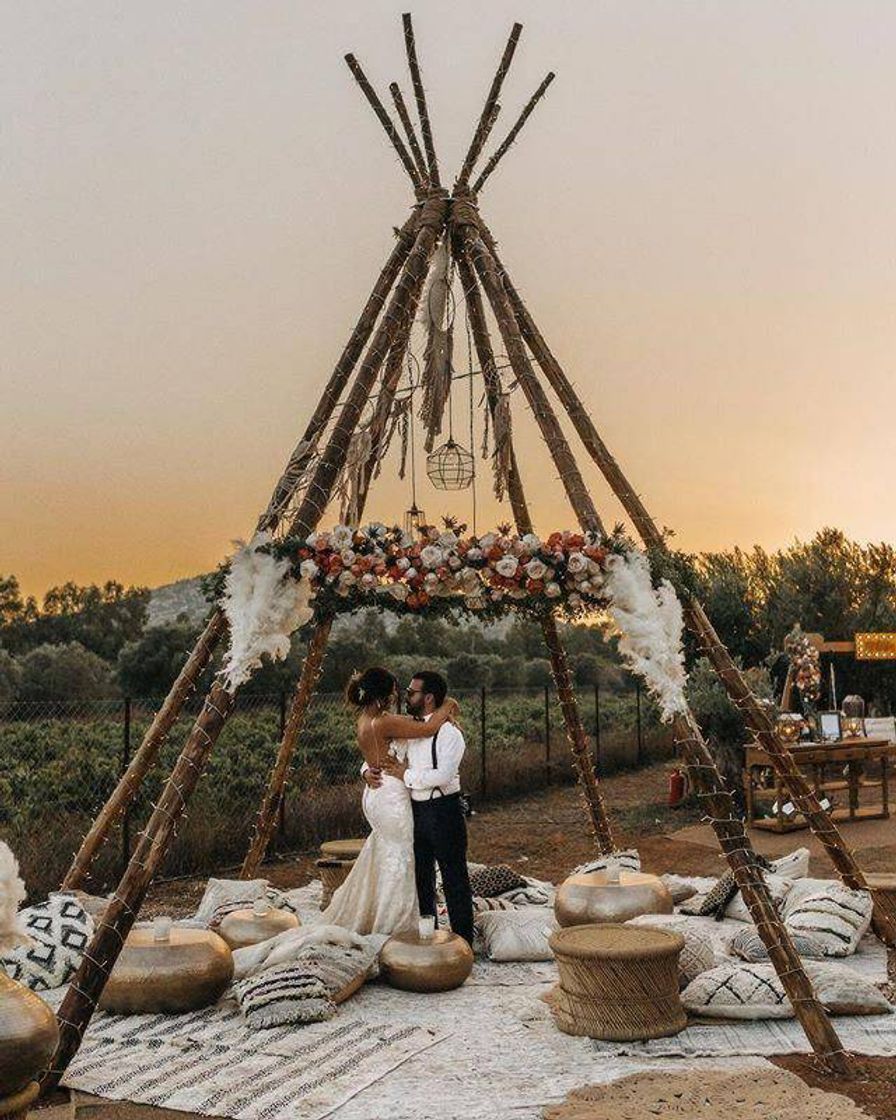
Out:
{"x": 875, "y": 647}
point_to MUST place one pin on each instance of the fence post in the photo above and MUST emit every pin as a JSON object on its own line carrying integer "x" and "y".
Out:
{"x": 547, "y": 735}
{"x": 482, "y": 729}
{"x": 125, "y": 763}
{"x": 596, "y": 727}
{"x": 640, "y": 755}
{"x": 281, "y": 808}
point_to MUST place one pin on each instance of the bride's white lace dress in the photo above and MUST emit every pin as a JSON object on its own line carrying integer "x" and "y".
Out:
{"x": 380, "y": 893}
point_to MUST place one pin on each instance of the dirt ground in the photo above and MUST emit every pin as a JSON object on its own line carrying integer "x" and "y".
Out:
{"x": 545, "y": 836}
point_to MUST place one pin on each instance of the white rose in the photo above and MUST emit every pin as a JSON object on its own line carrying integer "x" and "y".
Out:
{"x": 398, "y": 591}
{"x": 474, "y": 553}
{"x": 402, "y": 563}
{"x": 368, "y": 580}
{"x": 487, "y": 541}
{"x": 594, "y": 569}
{"x": 341, "y": 537}
{"x": 411, "y": 573}
{"x": 347, "y": 556}
{"x": 535, "y": 569}
{"x": 455, "y": 563}
{"x": 552, "y": 590}
{"x": 431, "y": 556}
{"x": 531, "y": 543}
{"x": 346, "y": 580}
{"x": 308, "y": 569}
{"x": 448, "y": 539}
{"x": 517, "y": 547}
{"x": 577, "y": 562}
{"x": 575, "y": 600}
{"x": 430, "y": 581}
{"x": 507, "y": 566}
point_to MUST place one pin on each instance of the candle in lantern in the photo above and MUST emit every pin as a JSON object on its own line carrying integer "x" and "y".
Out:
{"x": 426, "y": 927}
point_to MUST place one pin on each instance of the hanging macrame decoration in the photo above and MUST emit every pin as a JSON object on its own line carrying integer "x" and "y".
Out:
{"x": 503, "y": 446}
{"x": 351, "y": 482}
{"x": 450, "y": 467}
{"x": 436, "y": 376}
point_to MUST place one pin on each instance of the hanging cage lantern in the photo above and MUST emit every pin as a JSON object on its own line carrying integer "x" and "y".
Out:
{"x": 450, "y": 467}
{"x": 414, "y": 520}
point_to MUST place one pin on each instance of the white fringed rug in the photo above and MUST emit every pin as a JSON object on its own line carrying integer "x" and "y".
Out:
{"x": 211, "y": 1063}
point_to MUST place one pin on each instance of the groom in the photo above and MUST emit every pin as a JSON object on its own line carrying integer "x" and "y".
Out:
{"x": 440, "y": 829}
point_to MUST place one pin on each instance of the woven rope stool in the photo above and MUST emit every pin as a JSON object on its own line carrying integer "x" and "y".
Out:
{"x": 341, "y": 849}
{"x": 618, "y": 983}
{"x": 333, "y": 873}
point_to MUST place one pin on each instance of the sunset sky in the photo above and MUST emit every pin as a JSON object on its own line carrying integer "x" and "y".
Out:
{"x": 197, "y": 200}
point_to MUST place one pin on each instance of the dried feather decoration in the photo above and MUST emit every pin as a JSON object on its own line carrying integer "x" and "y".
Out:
{"x": 12, "y": 895}
{"x": 437, "y": 355}
{"x": 503, "y": 450}
{"x": 295, "y": 478}
{"x": 263, "y": 606}
{"x": 398, "y": 419}
{"x": 351, "y": 480}
{"x": 651, "y": 625}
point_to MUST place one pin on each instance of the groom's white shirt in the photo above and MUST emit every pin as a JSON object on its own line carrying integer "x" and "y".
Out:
{"x": 420, "y": 777}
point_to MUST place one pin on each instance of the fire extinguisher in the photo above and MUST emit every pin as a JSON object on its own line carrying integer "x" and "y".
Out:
{"x": 676, "y": 788}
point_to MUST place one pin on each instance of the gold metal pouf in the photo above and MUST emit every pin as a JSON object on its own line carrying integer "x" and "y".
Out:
{"x": 28, "y": 1037}
{"x": 434, "y": 964}
{"x": 187, "y": 970}
{"x": 249, "y": 927}
{"x": 596, "y": 897}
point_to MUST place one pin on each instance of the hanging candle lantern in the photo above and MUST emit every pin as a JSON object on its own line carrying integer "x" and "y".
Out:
{"x": 414, "y": 520}
{"x": 450, "y": 467}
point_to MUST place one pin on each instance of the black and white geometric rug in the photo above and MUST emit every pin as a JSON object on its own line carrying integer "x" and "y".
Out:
{"x": 209, "y": 1062}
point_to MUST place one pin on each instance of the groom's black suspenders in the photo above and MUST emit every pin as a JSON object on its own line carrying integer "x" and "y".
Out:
{"x": 435, "y": 764}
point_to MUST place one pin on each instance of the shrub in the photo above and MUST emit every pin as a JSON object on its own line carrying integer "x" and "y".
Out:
{"x": 65, "y": 672}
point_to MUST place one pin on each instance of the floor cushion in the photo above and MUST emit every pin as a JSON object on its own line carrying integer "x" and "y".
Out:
{"x": 698, "y": 954}
{"x": 778, "y": 887}
{"x": 844, "y": 992}
{"x": 749, "y": 946}
{"x": 792, "y": 866}
{"x": 308, "y": 988}
{"x": 737, "y": 990}
{"x": 516, "y": 935}
{"x": 58, "y": 932}
{"x": 480, "y": 904}
{"x": 628, "y": 860}
{"x": 487, "y": 882}
{"x": 837, "y": 916}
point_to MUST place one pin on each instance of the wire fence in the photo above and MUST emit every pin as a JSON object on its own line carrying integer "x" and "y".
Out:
{"x": 60, "y": 760}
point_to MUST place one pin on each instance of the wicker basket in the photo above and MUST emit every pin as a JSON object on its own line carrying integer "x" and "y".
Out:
{"x": 333, "y": 873}
{"x": 618, "y": 983}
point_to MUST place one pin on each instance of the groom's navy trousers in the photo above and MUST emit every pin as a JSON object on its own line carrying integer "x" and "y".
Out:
{"x": 440, "y": 836}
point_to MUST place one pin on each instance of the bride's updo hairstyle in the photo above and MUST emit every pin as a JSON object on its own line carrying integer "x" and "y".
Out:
{"x": 370, "y": 686}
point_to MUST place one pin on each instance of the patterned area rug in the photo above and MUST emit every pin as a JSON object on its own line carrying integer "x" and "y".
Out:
{"x": 210, "y": 1062}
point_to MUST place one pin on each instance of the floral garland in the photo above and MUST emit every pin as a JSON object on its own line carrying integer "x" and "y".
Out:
{"x": 442, "y": 571}
{"x": 806, "y": 663}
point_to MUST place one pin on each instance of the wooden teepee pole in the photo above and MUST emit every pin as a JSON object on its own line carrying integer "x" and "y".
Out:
{"x": 471, "y": 251}
{"x": 729, "y": 829}
{"x": 511, "y": 136}
{"x": 311, "y": 666}
{"x": 407, "y": 124}
{"x": 385, "y": 120}
{"x": 487, "y": 117}
{"x": 147, "y": 753}
{"x": 420, "y": 97}
{"x": 86, "y": 987}
{"x": 801, "y": 793}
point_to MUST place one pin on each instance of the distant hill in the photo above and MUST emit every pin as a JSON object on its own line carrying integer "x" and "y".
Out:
{"x": 173, "y": 599}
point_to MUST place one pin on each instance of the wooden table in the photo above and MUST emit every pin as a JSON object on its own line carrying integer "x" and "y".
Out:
{"x": 851, "y": 758}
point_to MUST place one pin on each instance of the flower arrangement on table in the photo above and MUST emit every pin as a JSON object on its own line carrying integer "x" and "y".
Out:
{"x": 806, "y": 662}
{"x": 347, "y": 568}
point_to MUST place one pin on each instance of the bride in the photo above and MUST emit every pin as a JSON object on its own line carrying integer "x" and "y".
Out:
{"x": 380, "y": 894}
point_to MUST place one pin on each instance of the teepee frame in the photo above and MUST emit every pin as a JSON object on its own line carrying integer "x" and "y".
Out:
{"x": 307, "y": 486}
